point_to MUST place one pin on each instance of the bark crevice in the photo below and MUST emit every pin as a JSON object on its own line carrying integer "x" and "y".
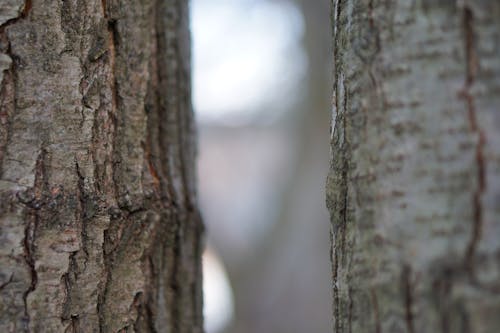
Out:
{"x": 408, "y": 297}
{"x": 472, "y": 66}
{"x": 33, "y": 219}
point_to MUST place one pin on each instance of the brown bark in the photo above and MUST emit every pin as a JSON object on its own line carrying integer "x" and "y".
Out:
{"x": 414, "y": 185}
{"x": 99, "y": 228}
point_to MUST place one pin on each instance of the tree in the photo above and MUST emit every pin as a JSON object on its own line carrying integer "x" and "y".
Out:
{"x": 99, "y": 230}
{"x": 414, "y": 184}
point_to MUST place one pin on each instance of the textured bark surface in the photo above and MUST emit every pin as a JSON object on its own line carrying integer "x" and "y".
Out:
{"x": 99, "y": 230}
{"x": 414, "y": 186}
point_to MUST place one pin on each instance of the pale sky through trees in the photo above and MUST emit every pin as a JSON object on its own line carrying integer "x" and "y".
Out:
{"x": 247, "y": 63}
{"x": 246, "y": 54}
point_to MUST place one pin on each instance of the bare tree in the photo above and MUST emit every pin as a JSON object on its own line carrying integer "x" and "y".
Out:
{"x": 414, "y": 187}
{"x": 99, "y": 230}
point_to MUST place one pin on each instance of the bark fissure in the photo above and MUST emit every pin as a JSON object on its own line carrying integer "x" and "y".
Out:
{"x": 104, "y": 8}
{"x": 115, "y": 101}
{"x": 471, "y": 60}
{"x": 66, "y": 281}
{"x": 84, "y": 212}
{"x": 101, "y": 299}
{"x": 174, "y": 281}
{"x": 336, "y": 296}
{"x": 370, "y": 14}
{"x": 6, "y": 283}
{"x": 350, "y": 309}
{"x": 408, "y": 297}
{"x": 21, "y": 15}
{"x": 27, "y": 7}
{"x": 442, "y": 289}
{"x": 30, "y": 261}
{"x": 33, "y": 220}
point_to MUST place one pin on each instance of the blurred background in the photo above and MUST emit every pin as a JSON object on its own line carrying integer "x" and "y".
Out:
{"x": 261, "y": 92}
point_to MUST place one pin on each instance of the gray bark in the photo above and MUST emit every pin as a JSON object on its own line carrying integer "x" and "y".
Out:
{"x": 414, "y": 186}
{"x": 99, "y": 230}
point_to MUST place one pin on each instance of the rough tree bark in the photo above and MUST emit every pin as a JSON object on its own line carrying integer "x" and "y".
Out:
{"x": 99, "y": 230}
{"x": 414, "y": 186}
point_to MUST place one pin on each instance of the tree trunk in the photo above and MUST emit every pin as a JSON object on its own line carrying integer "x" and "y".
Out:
{"x": 99, "y": 230}
{"x": 414, "y": 187}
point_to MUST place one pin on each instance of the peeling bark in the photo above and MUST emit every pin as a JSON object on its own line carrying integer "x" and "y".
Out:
{"x": 99, "y": 228}
{"x": 414, "y": 183}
